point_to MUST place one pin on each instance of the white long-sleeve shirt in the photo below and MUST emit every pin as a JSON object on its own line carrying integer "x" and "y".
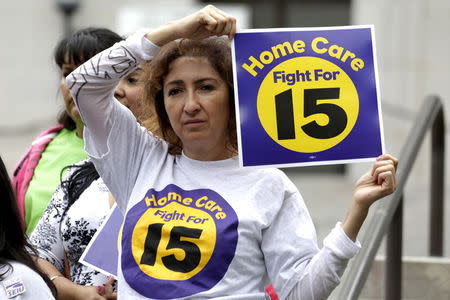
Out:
{"x": 197, "y": 229}
{"x": 22, "y": 283}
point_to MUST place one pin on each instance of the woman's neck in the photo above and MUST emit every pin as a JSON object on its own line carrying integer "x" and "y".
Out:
{"x": 209, "y": 154}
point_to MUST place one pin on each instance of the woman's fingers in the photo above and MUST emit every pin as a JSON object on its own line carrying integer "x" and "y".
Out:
{"x": 230, "y": 24}
{"x": 208, "y": 21}
{"x": 383, "y": 160}
{"x": 382, "y": 168}
{"x": 217, "y": 22}
{"x": 387, "y": 182}
{"x": 227, "y": 29}
{"x": 233, "y": 29}
{"x": 383, "y": 172}
{"x": 109, "y": 290}
{"x": 221, "y": 23}
{"x": 381, "y": 163}
{"x": 387, "y": 156}
{"x": 100, "y": 289}
{"x": 111, "y": 280}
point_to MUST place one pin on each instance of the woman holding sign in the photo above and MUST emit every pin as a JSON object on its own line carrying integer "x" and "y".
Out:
{"x": 197, "y": 226}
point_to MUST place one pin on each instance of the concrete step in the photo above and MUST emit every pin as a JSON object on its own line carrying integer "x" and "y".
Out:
{"x": 424, "y": 278}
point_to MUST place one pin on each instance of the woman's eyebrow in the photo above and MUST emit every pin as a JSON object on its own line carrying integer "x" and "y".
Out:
{"x": 201, "y": 80}
{"x": 174, "y": 82}
{"x": 197, "y": 81}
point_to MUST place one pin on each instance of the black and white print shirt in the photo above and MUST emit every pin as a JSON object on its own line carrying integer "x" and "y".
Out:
{"x": 57, "y": 235}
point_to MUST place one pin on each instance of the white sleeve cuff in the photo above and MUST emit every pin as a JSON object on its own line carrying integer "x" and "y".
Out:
{"x": 340, "y": 244}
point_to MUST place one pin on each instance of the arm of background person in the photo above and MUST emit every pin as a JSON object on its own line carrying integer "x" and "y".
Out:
{"x": 46, "y": 237}
{"x": 47, "y": 240}
{"x": 68, "y": 290}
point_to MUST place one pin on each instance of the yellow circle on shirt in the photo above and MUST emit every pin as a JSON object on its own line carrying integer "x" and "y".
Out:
{"x": 173, "y": 242}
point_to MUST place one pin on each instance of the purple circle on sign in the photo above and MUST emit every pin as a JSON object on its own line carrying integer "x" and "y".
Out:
{"x": 212, "y": 272}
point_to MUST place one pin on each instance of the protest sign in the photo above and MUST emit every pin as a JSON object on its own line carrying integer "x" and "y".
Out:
{"x": 102, "y": 253}
{"x": 307, "y": 96}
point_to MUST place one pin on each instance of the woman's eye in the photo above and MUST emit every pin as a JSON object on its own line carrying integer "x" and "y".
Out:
{"x": 132, "y": 80}
{"x": 173, "y": 92}
{"x": 207, "y": 87}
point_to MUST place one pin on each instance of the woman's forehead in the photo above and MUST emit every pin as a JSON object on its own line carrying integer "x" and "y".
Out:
{"x": 182, "y": 60}
{"x": 192, "y": 67}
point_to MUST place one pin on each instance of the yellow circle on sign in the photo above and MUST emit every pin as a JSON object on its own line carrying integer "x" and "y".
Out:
{"x": 320, "y": 120}
{"x": 169, "y": 230}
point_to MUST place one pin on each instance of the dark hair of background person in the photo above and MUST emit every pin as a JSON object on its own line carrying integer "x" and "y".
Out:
{"x": 217, "y": 51}
{"x": 81, "y": 178}
{"x": 13, "y": 243}
{"x": 79, "y": 47}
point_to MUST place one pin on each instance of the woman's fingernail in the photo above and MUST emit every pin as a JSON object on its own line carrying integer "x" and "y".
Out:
{"x": 100, "y": 289}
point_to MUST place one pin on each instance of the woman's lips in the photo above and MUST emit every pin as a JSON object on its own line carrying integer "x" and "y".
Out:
{"x": 193, "y": 123}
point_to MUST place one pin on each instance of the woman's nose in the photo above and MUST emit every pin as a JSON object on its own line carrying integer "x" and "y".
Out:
{"x": 119, "y": 92}
{"x": 192, "y": 104}
{"x": 120, "y": 95}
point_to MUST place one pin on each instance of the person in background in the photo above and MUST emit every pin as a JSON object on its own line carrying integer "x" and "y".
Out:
{"x": 196, "y": 225}
{"x": 75, "y": 212}
{"x": 38, "y": 172}
{"x": 20, "y": 277}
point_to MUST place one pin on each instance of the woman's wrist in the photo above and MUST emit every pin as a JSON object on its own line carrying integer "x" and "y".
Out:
{"x": 55, "y": 277}
{"x": 354, "y": 220}
{"x": 164, "y": 34}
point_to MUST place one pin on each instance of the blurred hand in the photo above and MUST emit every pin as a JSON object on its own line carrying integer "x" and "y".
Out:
{"x": 378, "y": 182}
{"x": 207, "y": 22}
{"x": 89, "y": 293}
{"x": 108, "y": 291}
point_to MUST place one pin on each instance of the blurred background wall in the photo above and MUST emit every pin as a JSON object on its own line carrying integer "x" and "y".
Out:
{"x": 412, "y": 42}
{"x": 412, "y": 39}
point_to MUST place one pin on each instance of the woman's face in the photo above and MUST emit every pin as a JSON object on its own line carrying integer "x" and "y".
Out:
{"x": 196, "y": 99}
{"x": 67, "y": 67}
{"x": 130, "y": 89}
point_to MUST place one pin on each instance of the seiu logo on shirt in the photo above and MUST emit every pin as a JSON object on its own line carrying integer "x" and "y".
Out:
{"x": 14, "y": 287}
{"x": 177, "y": 242}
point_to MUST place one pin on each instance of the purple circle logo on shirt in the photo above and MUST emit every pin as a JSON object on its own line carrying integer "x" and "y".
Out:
{"x": 177, "y": 243}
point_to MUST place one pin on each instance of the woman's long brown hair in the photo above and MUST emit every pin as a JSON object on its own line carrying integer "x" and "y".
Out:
{"x": 217, "y": 51}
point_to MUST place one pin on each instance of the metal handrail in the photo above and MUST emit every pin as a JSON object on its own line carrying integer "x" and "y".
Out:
{"x": 388, "y": 214}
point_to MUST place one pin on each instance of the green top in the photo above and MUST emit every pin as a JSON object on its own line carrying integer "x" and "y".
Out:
{"x": 64, "y": 150}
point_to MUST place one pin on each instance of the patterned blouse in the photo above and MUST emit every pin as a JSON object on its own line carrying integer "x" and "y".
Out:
{"x": 53, "y": 237}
